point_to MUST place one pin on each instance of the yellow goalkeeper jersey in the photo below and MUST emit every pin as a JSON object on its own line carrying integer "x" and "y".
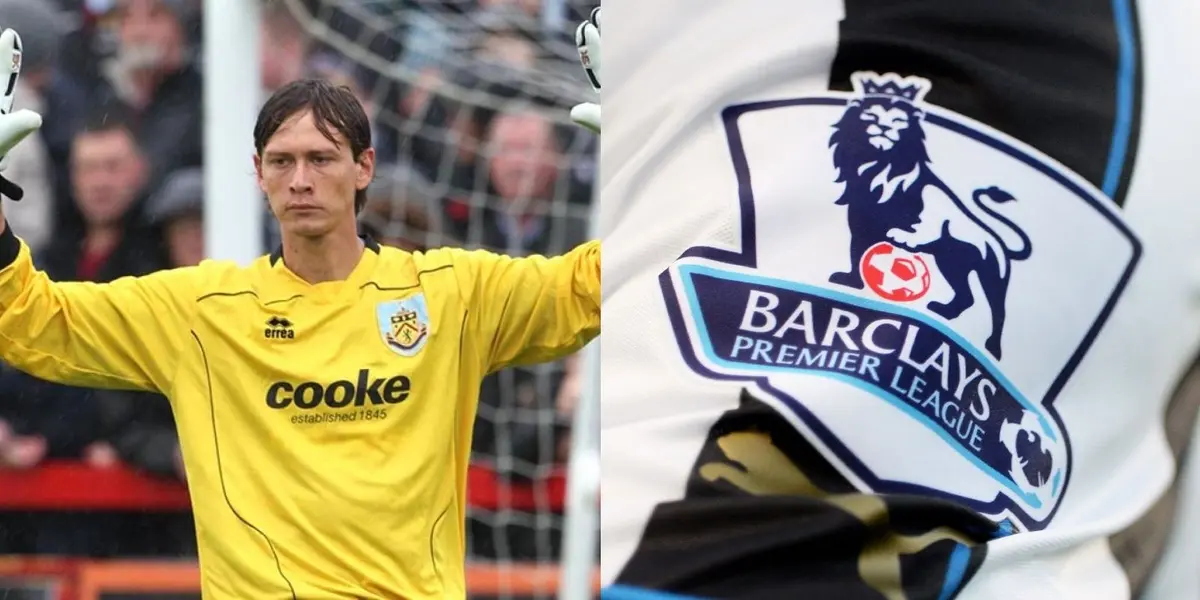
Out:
{"x": 325, "y": 428}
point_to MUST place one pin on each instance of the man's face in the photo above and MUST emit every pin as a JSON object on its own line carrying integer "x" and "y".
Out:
{"x": 310, "y": 181}
{"x": 185, "y": 240}
{"x": 524, "y": 160}
{"x": 150, "y": 34}
{"x": 531, "y": 7}
{"x": 509, "y": 50}
{"x": 107, "y": 174}
{"x": 282, "y": 56}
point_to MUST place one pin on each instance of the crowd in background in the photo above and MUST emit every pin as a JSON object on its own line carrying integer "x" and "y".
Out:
{"x": 462, "y": 96}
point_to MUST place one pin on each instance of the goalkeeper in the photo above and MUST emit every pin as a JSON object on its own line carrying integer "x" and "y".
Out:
{"x": 325, "y": 394}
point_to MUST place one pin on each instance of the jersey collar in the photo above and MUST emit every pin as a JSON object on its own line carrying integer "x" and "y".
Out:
{"x": 289, "y": 285}
{"x": 370, "y": 244}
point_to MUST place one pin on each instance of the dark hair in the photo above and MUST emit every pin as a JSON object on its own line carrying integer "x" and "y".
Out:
{"x": 331, "y": 105}
{"x": 106, "y": 117}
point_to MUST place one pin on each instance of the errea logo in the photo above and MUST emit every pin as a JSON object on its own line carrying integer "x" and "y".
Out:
{"x": 279, "y": 328}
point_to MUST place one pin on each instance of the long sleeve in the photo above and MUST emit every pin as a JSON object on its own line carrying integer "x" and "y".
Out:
{"x": 126, "y": 334}
{"x": 533, "y": 309}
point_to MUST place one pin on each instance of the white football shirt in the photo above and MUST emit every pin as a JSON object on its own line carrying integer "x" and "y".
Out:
{"x": 952, "y": 244}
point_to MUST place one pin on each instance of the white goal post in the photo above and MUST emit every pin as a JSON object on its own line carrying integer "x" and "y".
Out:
{"x": 233, "y": 224}
{"x": 582, "y": 531}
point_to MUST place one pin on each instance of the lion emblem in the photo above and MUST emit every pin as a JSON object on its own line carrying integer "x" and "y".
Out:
{"x": 892, "y": 194}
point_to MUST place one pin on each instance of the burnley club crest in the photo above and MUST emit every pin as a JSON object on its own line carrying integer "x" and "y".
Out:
{"x": 404, "y": 324}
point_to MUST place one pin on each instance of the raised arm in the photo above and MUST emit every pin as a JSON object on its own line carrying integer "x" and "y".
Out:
{"x": 533, "y": 309}
{"x": 127, "y": 334}
{"x": 119, "y": 335}
{"x": 538, "y": 309}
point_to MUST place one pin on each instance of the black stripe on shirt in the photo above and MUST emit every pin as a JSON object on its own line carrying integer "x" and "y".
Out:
{"x": 10, "y": 246}
{"x": 765, "y": 517}
{"x": 1064, "y": 77}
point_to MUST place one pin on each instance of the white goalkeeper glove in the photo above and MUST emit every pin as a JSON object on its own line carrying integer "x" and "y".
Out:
{"x": 587, "y": 40}
{"x": 14, "y": 126}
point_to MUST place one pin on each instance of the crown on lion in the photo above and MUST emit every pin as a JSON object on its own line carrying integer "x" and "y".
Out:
{"x": 910, "y": 87}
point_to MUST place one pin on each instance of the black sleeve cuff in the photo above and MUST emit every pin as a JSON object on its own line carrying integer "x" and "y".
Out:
{"x": 10, "y": 246}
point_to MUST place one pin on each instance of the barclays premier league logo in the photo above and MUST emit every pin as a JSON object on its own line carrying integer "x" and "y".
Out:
{"x": 913, "y": 291}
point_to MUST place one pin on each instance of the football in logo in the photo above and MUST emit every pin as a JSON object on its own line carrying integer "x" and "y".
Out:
{"x": 894, "y": 273}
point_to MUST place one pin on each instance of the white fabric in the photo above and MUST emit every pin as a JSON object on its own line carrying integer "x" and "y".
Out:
{"x": 669, "y": 185}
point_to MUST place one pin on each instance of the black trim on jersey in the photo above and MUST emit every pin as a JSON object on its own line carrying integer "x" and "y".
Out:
{"x": 288, "y": 299}
{"x": 375, "y": 284}
{"x": 433, "y": 540}
{"x": 378, "y": 287}
{"x": 1139, "y": 547}
{"x": 10, "y": 246}
{"x": 765, "y": 517}
{"x": 226, "y": 295}
{"x": 221, "y": 471}
{"x": 1064, "y": 77}
{"x": 368, "y": 242}
{"x": 246, "y": 293}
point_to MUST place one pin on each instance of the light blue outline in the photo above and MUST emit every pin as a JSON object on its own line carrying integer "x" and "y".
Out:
{"x": 687, "y": 271}
{"x": 955, "y": 570}
{"x": 627, "y": 592}
{"x": 383, "y": 315}
{"x": 1126, "y": 75}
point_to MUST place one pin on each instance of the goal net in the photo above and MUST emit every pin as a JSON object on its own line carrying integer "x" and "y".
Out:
{"x": 469, "y": 102}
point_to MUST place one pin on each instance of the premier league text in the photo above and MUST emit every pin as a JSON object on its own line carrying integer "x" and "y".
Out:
{"x": 767, "y": 331}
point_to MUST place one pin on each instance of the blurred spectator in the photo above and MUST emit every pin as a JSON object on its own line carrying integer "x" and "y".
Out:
{"x": 401, "y": 211}
{"x": 450, "y": 147}
{"x": 524, "y": 158}
{"x": 108, "y": 172}
{"x": 178, "y": 209}
{"x": 507, "y": 48}
{"x": 153, "y": 73}
{"x": 29, "y": 163}
{"x": 68, "y": 92}
{"x": 502, "y": 56}
{"x": 17, "y": 450}
{"x": 529, "y": 7}
{"x": 426, "y": 41}
{"x": 84, "y": 42}
{"x": 285, "y": 47}
{"x": 526, "y": 176}
{"x": 140, "y": 427}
